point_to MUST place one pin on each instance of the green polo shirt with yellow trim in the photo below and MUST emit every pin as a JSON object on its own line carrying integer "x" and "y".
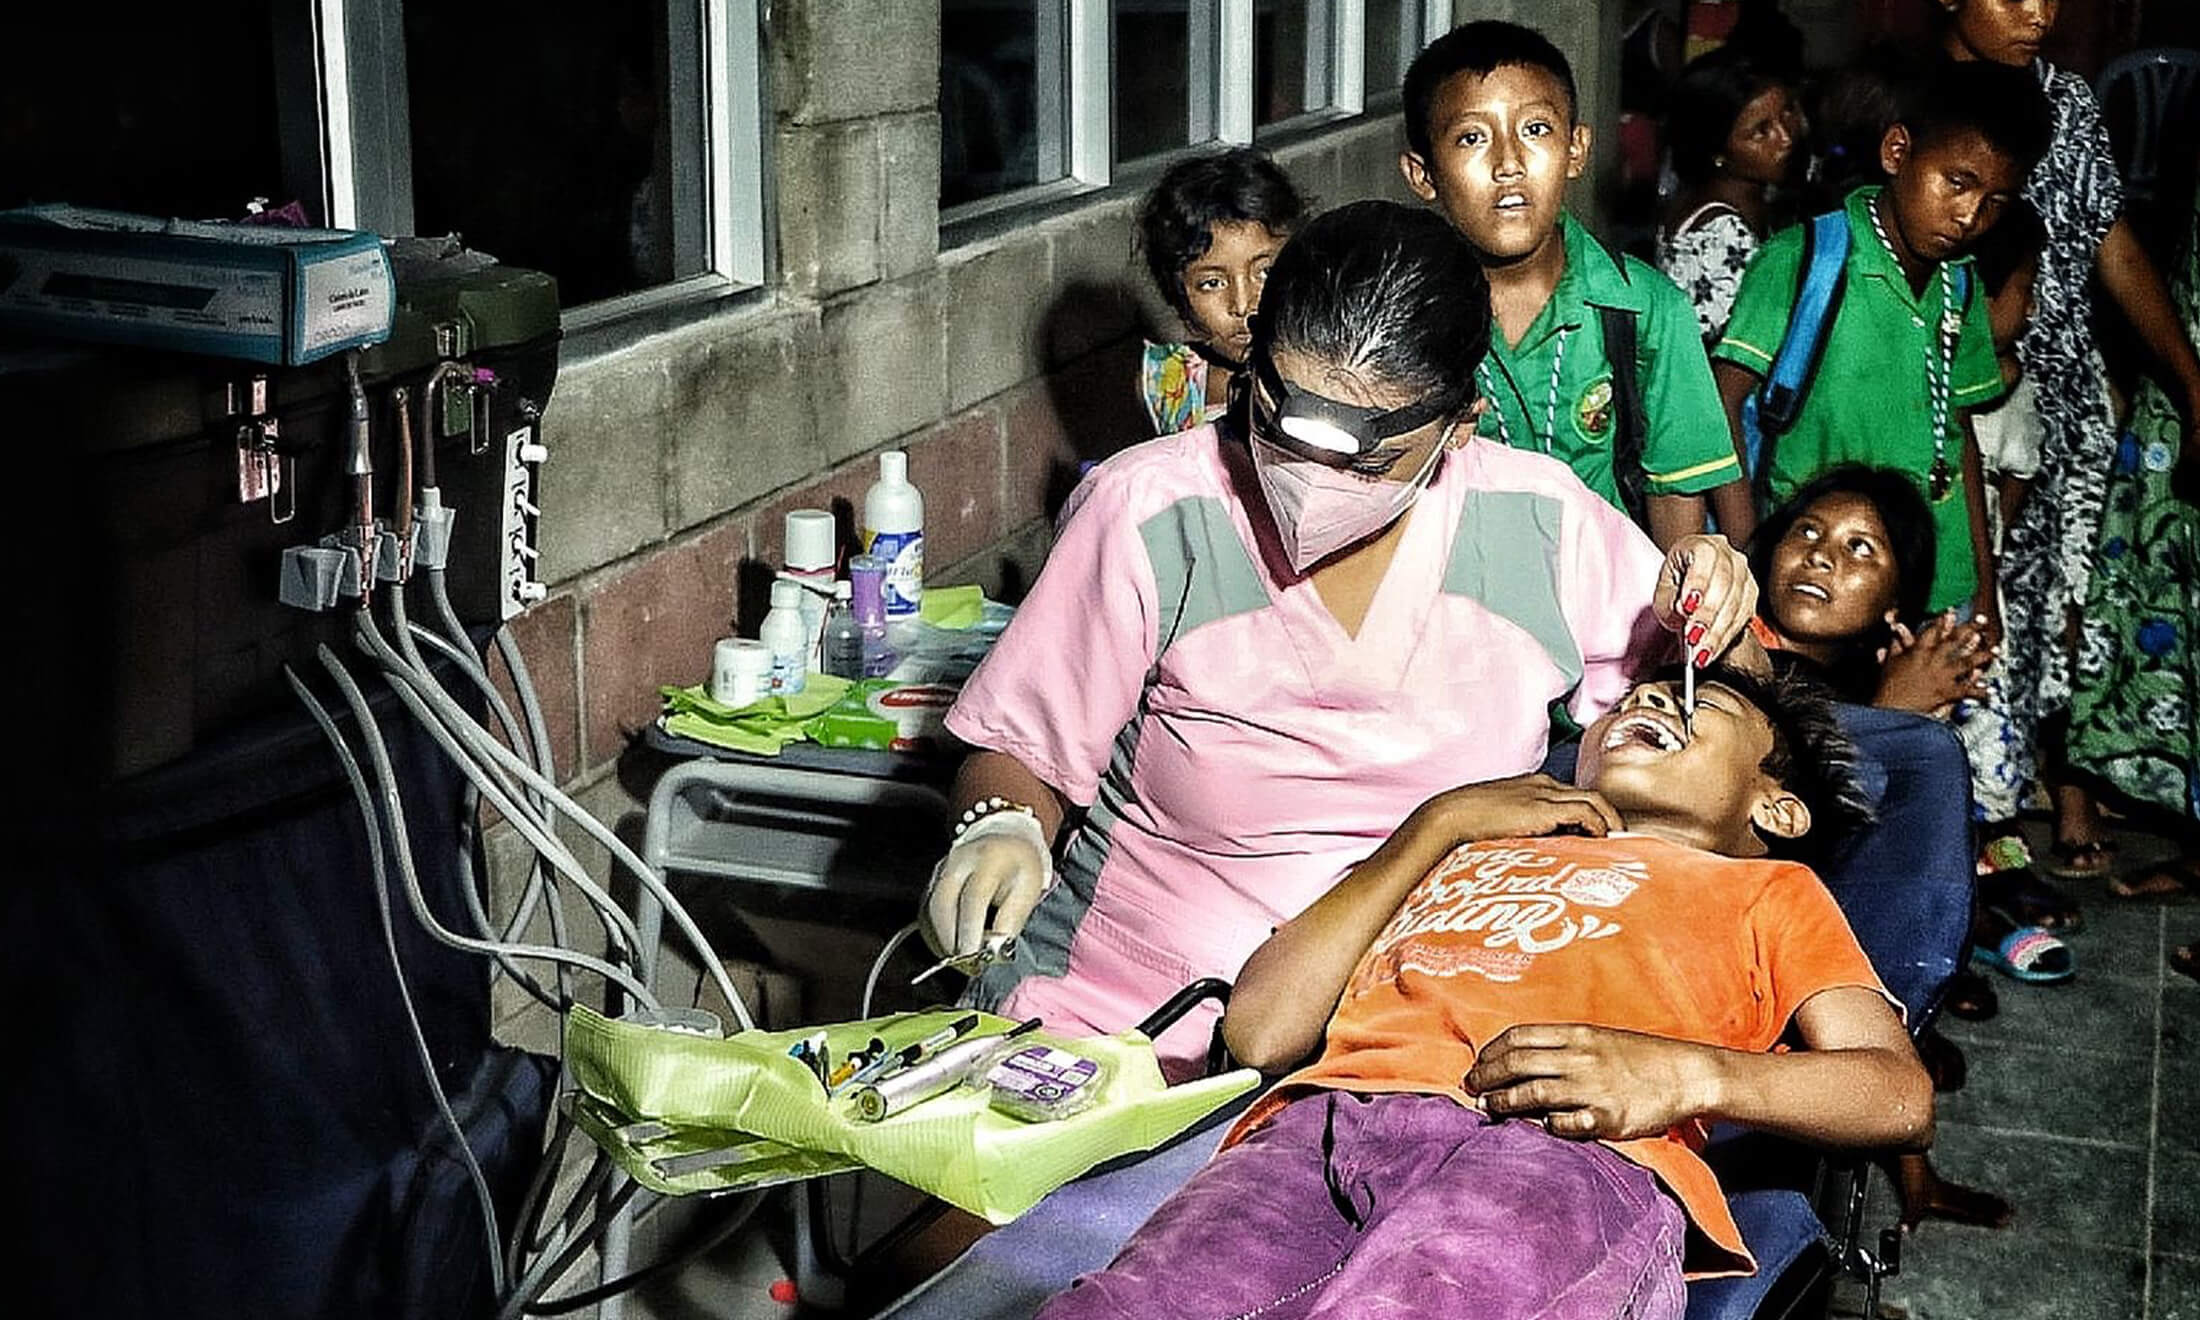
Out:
{"x": 1686, "y": 446}
{"x": 1869, "y": 402}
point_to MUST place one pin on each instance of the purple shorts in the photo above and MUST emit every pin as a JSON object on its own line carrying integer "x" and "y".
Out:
{"x": 1399, "y": 1205}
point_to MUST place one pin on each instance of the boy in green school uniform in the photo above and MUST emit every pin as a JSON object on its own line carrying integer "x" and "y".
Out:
{"x": 1908, "y": 353}
{"x": 1492, "y": 141}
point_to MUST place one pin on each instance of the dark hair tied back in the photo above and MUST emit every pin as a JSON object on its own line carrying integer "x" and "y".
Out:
{"x": 1390, "y": 293}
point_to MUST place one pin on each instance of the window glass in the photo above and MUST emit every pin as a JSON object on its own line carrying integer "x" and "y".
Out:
{"x": 1003, "y": 85}
{"x": 1392, "y": 42}
{"x": 1291, "y": 58}
{"x": 169, "y": 111}
{"x": 1154, "y": 78}
{"x": 558, "y": 135}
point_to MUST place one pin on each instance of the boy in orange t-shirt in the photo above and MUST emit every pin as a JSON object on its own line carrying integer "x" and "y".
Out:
{"x": 1535, "y": 997}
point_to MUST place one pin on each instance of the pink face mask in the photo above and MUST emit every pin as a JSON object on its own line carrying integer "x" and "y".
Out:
{"x": 1320, "y": 510}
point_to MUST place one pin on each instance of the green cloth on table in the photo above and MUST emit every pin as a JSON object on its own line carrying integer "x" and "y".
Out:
{"x": 763, "y": 727}
{"x": 746, "y": 1091}
{"x": 952, "y": 607}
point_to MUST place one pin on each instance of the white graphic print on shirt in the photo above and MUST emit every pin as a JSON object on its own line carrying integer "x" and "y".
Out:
{"x": 1523, "y": 901}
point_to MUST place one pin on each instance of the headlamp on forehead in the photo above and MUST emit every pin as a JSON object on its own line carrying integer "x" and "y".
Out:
{"x": 1325, "y": 430}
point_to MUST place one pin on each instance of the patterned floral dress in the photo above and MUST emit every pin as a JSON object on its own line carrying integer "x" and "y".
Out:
{"x": 2047, "y": 552}
{"x": 1172, "y": 383}
{"x": 2135, "y": 708}
{"x": 1706, "y": 254}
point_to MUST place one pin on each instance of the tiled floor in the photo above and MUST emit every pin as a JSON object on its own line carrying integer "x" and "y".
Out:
{"x": 2083, "y": 1109}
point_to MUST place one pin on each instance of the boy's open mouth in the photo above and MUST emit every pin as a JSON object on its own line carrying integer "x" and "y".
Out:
{"x": 1645, "y": 728}
{"x": 1512, "y": 201}
{"x": 1810, "y": 589}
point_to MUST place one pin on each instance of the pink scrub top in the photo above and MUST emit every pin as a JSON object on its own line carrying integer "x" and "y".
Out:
{"x": 1235, "y": 749}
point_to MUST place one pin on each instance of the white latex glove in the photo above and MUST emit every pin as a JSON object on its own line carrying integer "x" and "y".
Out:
{"x": 987, "y": 884}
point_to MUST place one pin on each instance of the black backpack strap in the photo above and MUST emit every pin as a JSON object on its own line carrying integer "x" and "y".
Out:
{"x": 1620, "y": 349}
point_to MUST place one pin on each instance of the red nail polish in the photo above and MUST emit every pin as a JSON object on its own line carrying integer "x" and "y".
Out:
{"x": 1695, "y": 633}
{"x": 1689, "y": 605}
{"x": 1703, "y": 658}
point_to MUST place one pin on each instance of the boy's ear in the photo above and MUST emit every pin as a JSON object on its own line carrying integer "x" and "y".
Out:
{"x": 1894, "y": 149}
{"x": 1780, "y": 814}
{"x": 1416, "y": 171}
{"x": 1577, "y": 150}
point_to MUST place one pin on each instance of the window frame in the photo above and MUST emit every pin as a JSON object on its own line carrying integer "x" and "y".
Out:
{"x": 1222, "y": 48}
{"x": 353, "y": 120}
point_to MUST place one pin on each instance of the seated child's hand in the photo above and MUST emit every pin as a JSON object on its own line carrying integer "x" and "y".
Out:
{"x": 1524, "y": 806}
{"x": 1942, "y": 663}
{"x": 1594, "y": 1082}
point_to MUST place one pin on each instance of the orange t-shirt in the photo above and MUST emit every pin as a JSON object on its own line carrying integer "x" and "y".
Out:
{"x": 1629, "y": 932}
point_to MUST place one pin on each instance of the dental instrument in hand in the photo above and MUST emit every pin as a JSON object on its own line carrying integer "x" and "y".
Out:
{"x": 1688, "y": 696}
{"x": 997, "y": 948}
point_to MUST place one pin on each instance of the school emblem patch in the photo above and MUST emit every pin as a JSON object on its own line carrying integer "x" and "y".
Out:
{"x": 1593, "y": 412}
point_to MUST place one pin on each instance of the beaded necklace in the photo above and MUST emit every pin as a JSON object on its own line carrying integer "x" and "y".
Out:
{"x": 1550, "y": 396}
{"x": 1941, "y": 478}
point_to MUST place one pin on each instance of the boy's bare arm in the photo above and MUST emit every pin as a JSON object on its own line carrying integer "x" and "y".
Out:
{"x": 1290, "y": 986}
{"x": 1734, "y": 384}
{"x": 1858, "y": 1084}
{"x": 1987, "y": 603}
{"x": 1672, "y": 517}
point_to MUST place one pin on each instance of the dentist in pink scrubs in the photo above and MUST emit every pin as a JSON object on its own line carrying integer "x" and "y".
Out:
{"x": 1258, "y": 646}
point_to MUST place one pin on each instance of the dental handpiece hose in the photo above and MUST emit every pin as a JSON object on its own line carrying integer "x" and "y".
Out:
{"x": 361, "y": 470}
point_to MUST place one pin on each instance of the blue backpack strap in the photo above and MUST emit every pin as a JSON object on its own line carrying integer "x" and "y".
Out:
{"x": 1817, "y": 303}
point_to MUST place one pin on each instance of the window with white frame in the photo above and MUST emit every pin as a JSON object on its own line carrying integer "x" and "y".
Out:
{"x": 1041, "y": 98}
{"x": 617, "y": 147}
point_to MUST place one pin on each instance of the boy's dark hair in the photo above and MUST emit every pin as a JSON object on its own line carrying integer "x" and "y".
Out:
{"x": 1479, "y": 48}
{"x": 1911, "y": 535}
{"x": 1704, "y": 103}
{"x": 2001, "y": 104}
{"x": 1811, "y": 756}
{"x": 1175, "y": 222}
{"x": 1850, "y": 110}
{"x": 1392, "y": 291}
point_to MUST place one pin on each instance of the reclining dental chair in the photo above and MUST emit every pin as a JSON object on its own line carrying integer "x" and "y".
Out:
{"x": 1905, "y": 885}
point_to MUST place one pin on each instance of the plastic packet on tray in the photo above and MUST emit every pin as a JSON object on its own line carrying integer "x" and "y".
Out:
{"x": 883, "y": 715}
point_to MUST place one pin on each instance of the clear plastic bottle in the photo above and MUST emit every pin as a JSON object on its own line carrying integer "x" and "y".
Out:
{"x": 867, "y": 578}
{"x": 843, "y": 637}
{"x": 784, "y": 631}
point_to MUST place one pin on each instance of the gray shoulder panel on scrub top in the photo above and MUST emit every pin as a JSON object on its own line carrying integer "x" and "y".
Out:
{"x": 1505, "y": 556}
{"x": 1201, "y": 569}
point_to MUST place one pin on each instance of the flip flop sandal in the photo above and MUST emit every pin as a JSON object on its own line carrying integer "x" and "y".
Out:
{"x": 2186, "y": 958}
{"x": 2082, "y": 861}
{"x": 2031, "y": 901}
{"x": 2030, "y": 955}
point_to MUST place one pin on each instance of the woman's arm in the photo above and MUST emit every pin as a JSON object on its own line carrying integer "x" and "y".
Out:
{"x": 1858, "y": 1084}
{"x": 997, "y": 774}
{"x": 2137, "y": 287}
{"x": 1290, "y": 986}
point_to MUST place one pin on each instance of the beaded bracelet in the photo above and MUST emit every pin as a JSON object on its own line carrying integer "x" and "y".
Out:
{"x": 984, "y": 807}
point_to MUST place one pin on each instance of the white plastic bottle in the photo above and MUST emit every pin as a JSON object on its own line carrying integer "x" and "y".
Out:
{"x": 785, "y": 632}
{"x": 812, "y": 545}
{"x": 893, "y": 530}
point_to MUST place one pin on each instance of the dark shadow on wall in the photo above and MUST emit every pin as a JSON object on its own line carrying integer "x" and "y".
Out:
{"x": 1091, "y": 329}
